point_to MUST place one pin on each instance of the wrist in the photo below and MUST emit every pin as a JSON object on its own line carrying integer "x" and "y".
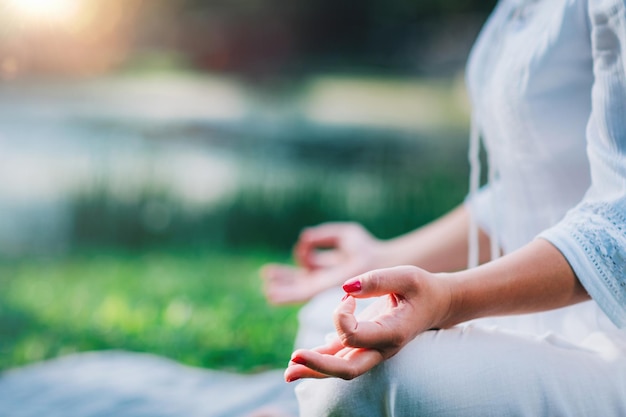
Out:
{"x": 534, "y": 278}
{"x": 452, "y": 304}
{"x": 474, "y": 293}
{"x": 484, "y": 291}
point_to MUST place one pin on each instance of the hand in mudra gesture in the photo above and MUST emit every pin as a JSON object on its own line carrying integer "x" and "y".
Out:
{"x": 412, "y": 301}
{"x": 326, "y": 255}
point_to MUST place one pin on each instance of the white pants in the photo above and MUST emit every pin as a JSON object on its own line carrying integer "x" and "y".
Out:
{"x": 481, "y": 370}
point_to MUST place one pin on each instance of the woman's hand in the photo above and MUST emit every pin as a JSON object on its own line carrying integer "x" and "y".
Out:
{"x": 327, "y": 255}
{"x": 412, "y": 301}
{"x": 534, "y": 278}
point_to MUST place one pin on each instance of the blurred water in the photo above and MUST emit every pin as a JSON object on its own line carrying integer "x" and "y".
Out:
{"x": 198, "y": 140}
{"x": 60, "y": 139}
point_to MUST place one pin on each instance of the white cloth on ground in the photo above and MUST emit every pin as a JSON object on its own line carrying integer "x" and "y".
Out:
{"x": 125, "y": 384}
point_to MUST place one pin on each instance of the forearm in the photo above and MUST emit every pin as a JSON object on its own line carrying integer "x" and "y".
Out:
{"x": 534, "y": 278}
{"x": 440, "y": 246}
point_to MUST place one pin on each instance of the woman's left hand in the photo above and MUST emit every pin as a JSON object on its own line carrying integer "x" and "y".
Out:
{"x": 413, "y": 300}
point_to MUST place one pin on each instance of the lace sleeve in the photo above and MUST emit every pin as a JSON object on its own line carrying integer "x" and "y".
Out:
{"x": 593, "y": 235}
{"x": 593, "y": 239}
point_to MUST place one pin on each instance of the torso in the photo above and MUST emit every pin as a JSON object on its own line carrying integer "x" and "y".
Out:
{"x": 529, "y": 78}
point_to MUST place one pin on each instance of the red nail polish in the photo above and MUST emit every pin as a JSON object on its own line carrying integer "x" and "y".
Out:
{"x": 352, "y": 286}
{"x": 298, "y": 360}
{"x": 345, "y": 297}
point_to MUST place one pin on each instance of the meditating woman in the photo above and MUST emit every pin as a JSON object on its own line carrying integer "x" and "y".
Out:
{"x": 538, "y": 328}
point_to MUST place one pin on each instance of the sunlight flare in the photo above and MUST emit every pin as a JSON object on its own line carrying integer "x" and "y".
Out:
{"x": 45, "y": 11}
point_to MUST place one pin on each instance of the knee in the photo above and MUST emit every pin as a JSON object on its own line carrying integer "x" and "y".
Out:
{"x": 318, "y": 398}
{"x": 400, "y": 386}
{"x": 360, "y": 397}
{"x": 432, "y": 375}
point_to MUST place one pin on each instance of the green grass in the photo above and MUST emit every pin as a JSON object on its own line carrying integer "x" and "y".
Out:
{"x": 202, "y": 308}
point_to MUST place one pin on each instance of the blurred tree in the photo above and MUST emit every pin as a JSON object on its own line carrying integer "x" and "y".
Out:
{"x": 253, "y": 36}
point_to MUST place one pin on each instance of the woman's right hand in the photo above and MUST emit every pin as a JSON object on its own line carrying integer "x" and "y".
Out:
{"x": 409, "y": 301}
{"x": 326, "y": 255}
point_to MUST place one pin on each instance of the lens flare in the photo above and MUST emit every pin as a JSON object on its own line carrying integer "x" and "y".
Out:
{"x": 45, "y": 11}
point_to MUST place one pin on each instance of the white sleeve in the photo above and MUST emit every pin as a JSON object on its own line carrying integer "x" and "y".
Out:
{"x": 592, "y": 236}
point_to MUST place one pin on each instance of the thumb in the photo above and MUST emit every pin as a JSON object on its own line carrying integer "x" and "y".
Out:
{"x": 400, "y": 280}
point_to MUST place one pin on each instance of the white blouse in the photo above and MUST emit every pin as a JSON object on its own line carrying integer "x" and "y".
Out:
{"x": 547, "y": 82}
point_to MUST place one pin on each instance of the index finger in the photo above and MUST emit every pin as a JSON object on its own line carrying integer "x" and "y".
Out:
{"x": 324, "y": 235}
{"x": 402, "y": 280}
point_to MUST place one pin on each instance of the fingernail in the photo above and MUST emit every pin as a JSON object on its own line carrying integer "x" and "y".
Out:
{"x": 352, "y": 286}
{"x": 299, "y": 360}
{"x": 345, "y": 297}
{"x": 292, "y": 379}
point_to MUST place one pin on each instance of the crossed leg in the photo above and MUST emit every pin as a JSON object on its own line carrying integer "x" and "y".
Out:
{"x": 478, "y": 371}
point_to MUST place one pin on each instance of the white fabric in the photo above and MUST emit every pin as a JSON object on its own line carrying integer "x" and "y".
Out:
{"x": 547, "y": 83}
{"x": 529, "y": 79}
{"x": 593, "y": 236}
{"x": 125, "y": 384}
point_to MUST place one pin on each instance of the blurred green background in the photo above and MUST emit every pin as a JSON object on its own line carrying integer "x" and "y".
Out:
{"x": 155, "y": 154}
